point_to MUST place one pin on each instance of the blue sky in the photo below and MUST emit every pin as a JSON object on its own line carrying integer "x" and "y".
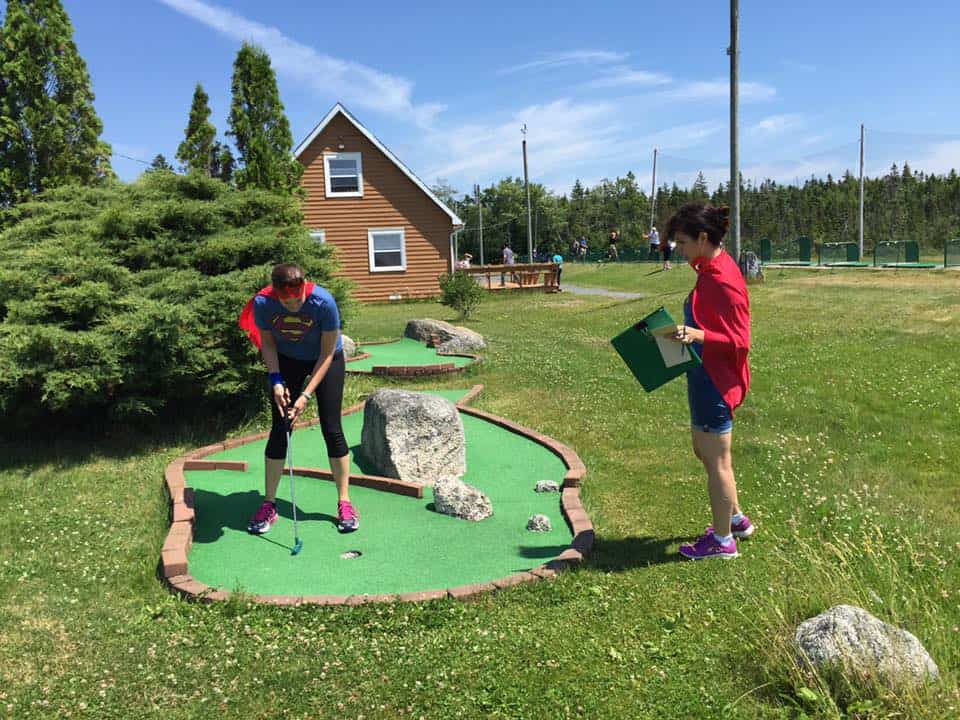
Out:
{"x": 599, "y": 84}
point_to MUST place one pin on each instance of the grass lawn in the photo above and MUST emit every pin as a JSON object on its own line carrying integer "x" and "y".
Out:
{"x": 846, "y": 454}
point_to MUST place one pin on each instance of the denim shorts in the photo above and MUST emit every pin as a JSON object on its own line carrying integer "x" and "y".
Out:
{"x": 708, "y": 410}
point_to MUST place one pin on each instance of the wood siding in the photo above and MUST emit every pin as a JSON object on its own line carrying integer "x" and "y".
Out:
{"x": 390, "y": 200}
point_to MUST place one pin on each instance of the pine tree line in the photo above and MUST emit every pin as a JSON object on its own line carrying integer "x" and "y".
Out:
{"x": 901, "y": 205}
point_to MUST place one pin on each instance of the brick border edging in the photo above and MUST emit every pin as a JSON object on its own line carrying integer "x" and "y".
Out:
{"x": 409, "y": 371}
{"x": 173, "y": 565}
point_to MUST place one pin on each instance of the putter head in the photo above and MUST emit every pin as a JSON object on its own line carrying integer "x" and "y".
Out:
{"x": 297, "y": 547}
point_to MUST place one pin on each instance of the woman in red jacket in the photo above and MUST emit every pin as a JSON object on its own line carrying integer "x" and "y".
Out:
{"x": 717, "y": 325}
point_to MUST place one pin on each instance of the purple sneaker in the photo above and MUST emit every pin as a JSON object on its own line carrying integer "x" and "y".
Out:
{"x": 742, "y": 529}
{"x": 263, "y": 519}
{"x": 708, "y": 547}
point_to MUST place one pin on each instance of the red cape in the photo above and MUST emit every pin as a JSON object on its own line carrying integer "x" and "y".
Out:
{"x": 246, "y": 321}
{"x": 721, "y": 307}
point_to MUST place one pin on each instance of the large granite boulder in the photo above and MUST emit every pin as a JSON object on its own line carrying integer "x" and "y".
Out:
{"x": 854, "y": 640}
{"x": 349, "y": 346}
{"x": 750, "y": 266}
{"x": 446, "y": 338}
{"x": 452, "y": 496}
{"x": 412, "y": 436}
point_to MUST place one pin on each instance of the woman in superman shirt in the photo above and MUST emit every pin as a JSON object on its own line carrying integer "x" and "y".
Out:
{"x": 717, "y": 325}
{"x": 296, "y": 326}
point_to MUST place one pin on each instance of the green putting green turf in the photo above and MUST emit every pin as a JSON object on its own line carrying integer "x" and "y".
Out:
{"x": 404, "y": 352}
{"x": 405, "y": 545}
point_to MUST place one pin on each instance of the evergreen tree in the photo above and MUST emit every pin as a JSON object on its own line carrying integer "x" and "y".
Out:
{"x": 196, "y": 150}
{"x": 160, "y": 163}
{"x": 259, "y": 126}
{"x": 49, "y": 130}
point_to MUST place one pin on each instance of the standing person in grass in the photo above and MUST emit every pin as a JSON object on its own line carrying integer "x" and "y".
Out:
{"x": 717, "y": 323}
{"x": 668, "y": 246}
{"x": 654, "y": 237}
{"x": 558, "y": 259}
{"x": 612, "y": 253}
{"x": 296, "y": 325}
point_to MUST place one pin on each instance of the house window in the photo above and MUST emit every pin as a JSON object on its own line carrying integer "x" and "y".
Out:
{"x": 344, "y": 174}
{"x": 387, "y": 249}
{"x": 319, "y": 236}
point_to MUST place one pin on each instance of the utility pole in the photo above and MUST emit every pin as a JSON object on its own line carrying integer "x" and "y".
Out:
{"x": 526, "y": 182}
{"x": 734, "y": 52}
{"x": 861, "y": 191}
{"x": 653, "y": 191}
{"x": 480, "y": 209}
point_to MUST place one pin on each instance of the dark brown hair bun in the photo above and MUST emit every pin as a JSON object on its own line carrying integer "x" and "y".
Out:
{"x": 697, "y": 217}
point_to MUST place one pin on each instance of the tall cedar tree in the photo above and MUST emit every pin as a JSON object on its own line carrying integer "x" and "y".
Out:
{"x": 259, "y": 126}
{"x": 196, "y": 150}
{"x": 49, "y": 130}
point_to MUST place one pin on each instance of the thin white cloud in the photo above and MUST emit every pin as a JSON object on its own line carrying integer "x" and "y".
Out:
{"x": 333, "y": 78}
{"x": 570, "y": 57}
{"x": 934, "y": 158}
{"x": 683, "y": 136}
{"x": 566, "y": 139}
{"x": 776, "y": 124}
{"x": 717, "y": 89}
{"x": 623, "y": 76}
{"x": 561, "y": 134}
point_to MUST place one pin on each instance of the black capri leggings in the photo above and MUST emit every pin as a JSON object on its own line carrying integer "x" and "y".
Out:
{"x": 329, "y": 401}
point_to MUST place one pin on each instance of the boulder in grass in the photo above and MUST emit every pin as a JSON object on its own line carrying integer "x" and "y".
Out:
{"x": 349, "y": 346}
{"x": 412, "y": 436}
{"x": 452, "y": 496}
{"x": 751, "y": 267}
{"x": 446, "y": 338}
{"x": 539, "y": 523}
{"x": 852, "y": 639}
{"x": 547, "y": 486}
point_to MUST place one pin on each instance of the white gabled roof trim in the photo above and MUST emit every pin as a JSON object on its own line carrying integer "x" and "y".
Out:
{"x": 339, "y": 108}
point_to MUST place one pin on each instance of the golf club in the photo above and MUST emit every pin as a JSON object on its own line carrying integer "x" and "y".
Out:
{"x": 297, "y": 542}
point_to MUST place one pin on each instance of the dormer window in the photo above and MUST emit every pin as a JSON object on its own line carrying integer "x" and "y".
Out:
{"x": 344, "y": 174}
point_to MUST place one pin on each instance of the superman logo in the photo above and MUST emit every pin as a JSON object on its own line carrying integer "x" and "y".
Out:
{"x": 292, "y": 328}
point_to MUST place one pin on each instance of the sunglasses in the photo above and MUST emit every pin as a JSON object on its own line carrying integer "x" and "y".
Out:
{"x": 290, "y": 291}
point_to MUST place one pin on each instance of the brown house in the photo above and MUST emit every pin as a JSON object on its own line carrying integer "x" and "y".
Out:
{"x": 394, "y": 237}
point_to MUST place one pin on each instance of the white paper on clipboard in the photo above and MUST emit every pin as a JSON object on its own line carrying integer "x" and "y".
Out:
{"x": 673, "y": 353}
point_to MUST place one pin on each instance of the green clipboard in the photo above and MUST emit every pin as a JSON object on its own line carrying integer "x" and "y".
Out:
{"x": 653, "y": 360}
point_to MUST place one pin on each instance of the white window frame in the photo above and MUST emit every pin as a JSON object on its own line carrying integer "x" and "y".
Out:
{"x": 319, "y": 236}
{"x": 327, "y": 157}
{"x": 402, "y": 267}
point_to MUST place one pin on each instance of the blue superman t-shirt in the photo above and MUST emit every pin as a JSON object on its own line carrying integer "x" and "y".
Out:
{"x": 298, "y": 334}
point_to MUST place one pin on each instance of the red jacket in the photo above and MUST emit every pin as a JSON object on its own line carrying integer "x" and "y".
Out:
{"x": 246, "y": 320}
{"x": 721, "y": 307}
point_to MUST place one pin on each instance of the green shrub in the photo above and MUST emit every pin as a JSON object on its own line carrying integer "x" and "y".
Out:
{"x": 122, "y": 300}
{"x": 461, "y": 292}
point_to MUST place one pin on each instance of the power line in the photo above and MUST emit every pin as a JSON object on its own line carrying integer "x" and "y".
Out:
{"x": 127, "y": 157}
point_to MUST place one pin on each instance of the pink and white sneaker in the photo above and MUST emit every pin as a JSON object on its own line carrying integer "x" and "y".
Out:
{"x": 263, "y": 519}
{"x": 708, "y": 547}
{"x": 348, "y": 519}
